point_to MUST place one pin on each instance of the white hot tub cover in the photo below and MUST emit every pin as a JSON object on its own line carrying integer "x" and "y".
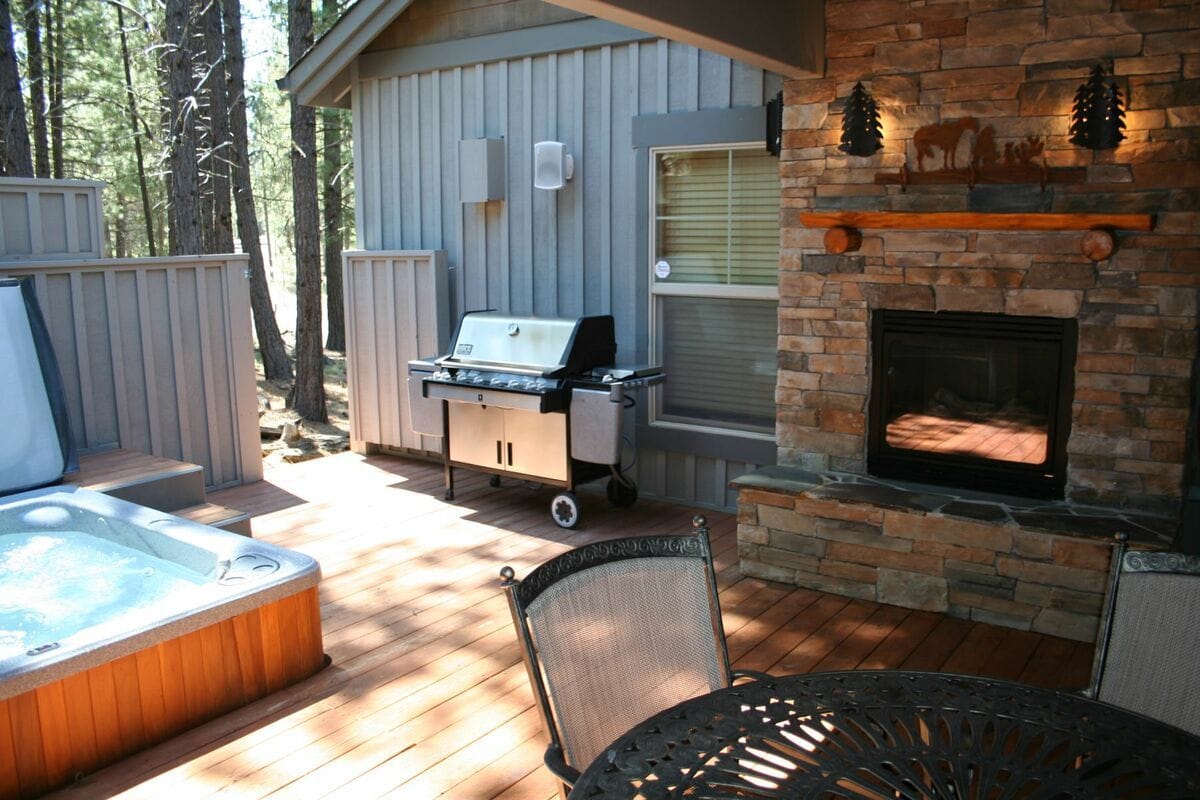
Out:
{"x": 35, "y": 445}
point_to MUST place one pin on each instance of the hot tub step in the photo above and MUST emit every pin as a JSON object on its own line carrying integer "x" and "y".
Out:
{"x": 159, "y": 483}
{"x": 223, "y": 517}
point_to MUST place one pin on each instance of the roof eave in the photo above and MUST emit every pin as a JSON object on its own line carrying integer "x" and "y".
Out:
{"x": 792, "y": 43}
{"x": 321, "y": 77}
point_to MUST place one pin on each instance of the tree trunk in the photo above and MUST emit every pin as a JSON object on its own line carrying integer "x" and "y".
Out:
{"x": 131, "y": 105}
{"x": 202, "y": 79}
{"x": 219, "y": 158}
{"x": 331, "y": 182}
{"x": 276, "y": 364}
{"x": 15, "y": 160}
{"x": 308, "y": 393}
{"x": 163, "y": 138}
{"x": 333, "y": 228}
{"x": 185, "y": 180}
{"x": 120, "y": 243}
{"x": 37, "y": 87}
{"x": 55, "y": 35}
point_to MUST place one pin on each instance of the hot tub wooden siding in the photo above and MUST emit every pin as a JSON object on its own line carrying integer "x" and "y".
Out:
{"x": 77, "y": 724}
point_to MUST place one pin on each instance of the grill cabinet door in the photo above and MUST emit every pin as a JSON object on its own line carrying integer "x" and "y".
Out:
{"x": 477, "y": 434}
{"x": 536, "y": 444}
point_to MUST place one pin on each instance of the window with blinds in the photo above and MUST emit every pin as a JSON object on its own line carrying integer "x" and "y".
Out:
{"x": 715, "y": 286}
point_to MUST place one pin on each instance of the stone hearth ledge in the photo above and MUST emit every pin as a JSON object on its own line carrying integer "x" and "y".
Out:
{"x": 1027, "y": 564}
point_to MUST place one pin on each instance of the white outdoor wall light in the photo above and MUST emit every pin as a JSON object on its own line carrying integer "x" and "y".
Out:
{"x": 552, "y": 165}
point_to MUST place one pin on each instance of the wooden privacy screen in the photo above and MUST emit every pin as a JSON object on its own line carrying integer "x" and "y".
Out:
{"x": 76, "y": 725}
{"x": 42, "y": 219}
{"x": 397, "y": 306}
{"x": 156, "y": 356}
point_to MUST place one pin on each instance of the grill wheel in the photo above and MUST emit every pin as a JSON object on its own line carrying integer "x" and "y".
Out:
{"x": 564, "y": 508}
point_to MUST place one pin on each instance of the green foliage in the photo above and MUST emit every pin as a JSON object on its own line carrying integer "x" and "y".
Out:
{"x": 98, "y": 142}
{"x": 270, "y": 142}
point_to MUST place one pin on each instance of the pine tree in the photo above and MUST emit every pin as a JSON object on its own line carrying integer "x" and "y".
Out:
{"x": 37, "y": 87}
{"x": 307, "y": 396}
{"x": 1099, "y": 113}
{"x": 276, "y": 364}
{"x": 15, "y": 158}
{"x": 131, "y": 105}
{"x": 861, "y": 134}
{"x": 185, "y": 176}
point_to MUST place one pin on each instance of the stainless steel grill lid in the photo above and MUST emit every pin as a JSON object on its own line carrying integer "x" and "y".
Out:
{"x": 545, "y": 346}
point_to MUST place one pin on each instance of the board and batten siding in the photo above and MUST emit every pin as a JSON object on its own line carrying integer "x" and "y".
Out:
{"x": 156, "y": 356}
{"x": 396, "y": 310}
{"x": 44, "y": 219}
{"x": 564, "y": 253}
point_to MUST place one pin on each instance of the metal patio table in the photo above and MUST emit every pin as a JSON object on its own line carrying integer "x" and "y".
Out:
{"x": 892, "y": 734}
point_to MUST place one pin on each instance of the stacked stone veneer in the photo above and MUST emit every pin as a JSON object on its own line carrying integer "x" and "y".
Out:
{"x": 1015, "y": 66}
{"x": 997, "y": 573}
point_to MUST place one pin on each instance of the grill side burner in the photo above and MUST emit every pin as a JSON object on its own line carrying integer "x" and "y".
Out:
{"x": 533, "y": 398}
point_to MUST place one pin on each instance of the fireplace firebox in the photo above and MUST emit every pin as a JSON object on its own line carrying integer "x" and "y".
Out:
{"x": 973, "y": 400}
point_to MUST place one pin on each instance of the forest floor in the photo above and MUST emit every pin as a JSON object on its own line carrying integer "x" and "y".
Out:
{"x": 281, "y": 441}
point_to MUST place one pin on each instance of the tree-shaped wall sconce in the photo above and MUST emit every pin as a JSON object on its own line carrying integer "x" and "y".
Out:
{"x": 1099, "y": 113}
{"x": 861, "y": 134}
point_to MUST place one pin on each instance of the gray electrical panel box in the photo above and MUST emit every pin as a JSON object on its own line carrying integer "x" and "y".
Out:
{"x": 480, "y": 170}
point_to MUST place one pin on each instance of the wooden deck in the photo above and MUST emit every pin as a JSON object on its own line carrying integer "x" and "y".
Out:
{"x": 427, "y": 697}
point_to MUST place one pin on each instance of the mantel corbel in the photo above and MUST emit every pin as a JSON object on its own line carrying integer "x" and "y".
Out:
{"x": 1097, "y": 243}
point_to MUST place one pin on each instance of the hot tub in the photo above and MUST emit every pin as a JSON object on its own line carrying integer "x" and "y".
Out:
{"x": 121, "y": 626}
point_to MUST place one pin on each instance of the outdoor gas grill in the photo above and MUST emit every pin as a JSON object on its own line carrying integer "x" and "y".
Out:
{"x": 533, "y": 398}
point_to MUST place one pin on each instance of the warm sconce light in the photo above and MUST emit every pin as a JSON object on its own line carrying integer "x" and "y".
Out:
{"x": 1099, "y": 113}
{"x": 861, "y": 135}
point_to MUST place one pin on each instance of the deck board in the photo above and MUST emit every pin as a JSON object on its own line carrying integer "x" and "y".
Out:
{"x": 427, "y": 696}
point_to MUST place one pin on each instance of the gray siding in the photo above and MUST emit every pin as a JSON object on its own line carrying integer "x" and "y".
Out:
{"x": 561, "y": 253}
{"x": 395, "y": 305}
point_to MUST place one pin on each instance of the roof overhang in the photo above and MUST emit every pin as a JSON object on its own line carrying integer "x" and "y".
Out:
{"x": 322, "y": 75}
{"x": 784, "y": 36}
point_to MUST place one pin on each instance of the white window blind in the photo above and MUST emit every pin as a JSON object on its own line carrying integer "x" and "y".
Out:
{"x": 717, "y": 227}
{"x": 717, "y": 216}
{"x": 719, "y": 355}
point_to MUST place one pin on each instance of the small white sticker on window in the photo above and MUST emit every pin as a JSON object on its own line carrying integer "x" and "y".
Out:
{"x": 662, "y": 270}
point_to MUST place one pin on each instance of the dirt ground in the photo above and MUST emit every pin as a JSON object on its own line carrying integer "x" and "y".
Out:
{"x": 288, "y": 439}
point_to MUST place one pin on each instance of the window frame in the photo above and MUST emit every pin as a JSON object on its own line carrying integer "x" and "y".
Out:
{"x": 655, "y": 420}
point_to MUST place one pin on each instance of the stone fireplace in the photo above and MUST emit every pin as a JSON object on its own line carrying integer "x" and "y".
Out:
{"x": 975, "y": 400}
{"x": 875, "y": 423}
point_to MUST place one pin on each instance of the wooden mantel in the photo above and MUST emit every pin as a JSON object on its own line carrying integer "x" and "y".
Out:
{"x": 1098, "y": 242}
{"x": 975, "y": 220}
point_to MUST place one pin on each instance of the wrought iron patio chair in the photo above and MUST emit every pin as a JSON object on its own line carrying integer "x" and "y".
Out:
{"x": 615, "y": 631}
{"x": 1146, "y": 657}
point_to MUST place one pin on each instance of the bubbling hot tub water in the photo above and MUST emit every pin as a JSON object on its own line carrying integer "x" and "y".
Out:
{"x": 111, "y": 612}
{"x": 58, "y": 583}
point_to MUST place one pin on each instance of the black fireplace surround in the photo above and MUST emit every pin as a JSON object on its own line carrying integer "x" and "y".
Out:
{"x": 981, "y": 401}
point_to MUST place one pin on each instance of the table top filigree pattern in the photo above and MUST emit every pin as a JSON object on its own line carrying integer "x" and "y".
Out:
{"x": 888, "y": 734}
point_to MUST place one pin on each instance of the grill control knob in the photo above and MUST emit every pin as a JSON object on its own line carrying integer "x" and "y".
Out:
{"x": 513, "y": 329}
